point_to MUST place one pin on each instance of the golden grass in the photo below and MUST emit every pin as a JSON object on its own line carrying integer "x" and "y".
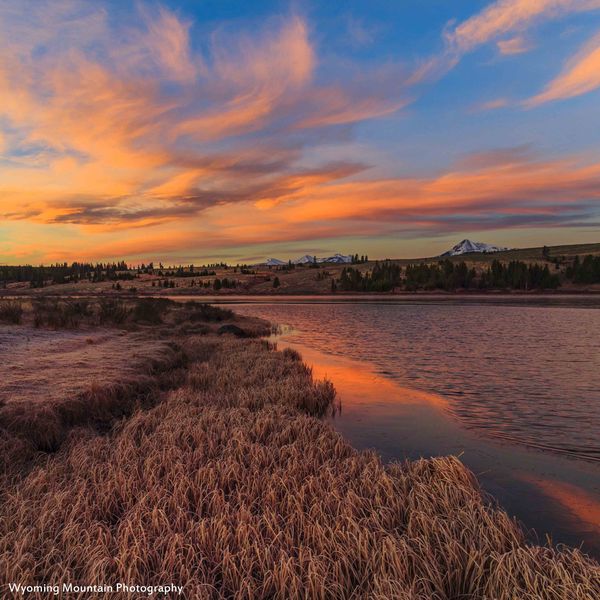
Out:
{"x": 226, "y": 483}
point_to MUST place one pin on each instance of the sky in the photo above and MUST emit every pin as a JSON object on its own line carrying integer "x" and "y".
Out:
{"x": 194, "y": 131}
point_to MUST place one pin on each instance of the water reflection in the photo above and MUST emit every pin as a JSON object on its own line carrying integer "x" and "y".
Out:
{"x": 583, "y": 507}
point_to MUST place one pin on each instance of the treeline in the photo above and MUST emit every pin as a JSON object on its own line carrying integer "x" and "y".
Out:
{"x": 216, "y": 284}
{"x": 64, "y": 273}
{"x": 448, "y": 276}
{"x": 518, "y": 276}
{"x": 586, "y": 270}
{"x": 190, "y": 271}
{"x": 444, "y": 276}
{"x": 384, "y": 277}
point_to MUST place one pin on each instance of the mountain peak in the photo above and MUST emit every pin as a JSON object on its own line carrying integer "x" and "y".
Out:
{"x": 275, "y": 262}
{"x": 310, "y": 259}
{"x": 469, "y": 247}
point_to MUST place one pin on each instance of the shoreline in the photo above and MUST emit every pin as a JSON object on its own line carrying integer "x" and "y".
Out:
{"x": 575, "y": 299}
{"x": 376, "y": 410}
{"x": 228, "y": 480}
{"x": 56, "y": 291}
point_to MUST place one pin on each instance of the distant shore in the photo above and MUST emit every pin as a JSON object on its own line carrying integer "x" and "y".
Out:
{"x": 588, "y": 298}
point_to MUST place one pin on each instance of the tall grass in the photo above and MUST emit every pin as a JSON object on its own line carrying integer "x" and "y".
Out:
{"x": 207, "y": 312}
{"x": 150, "y": 311}
{"x": 60, "y": 314}
{"x": 112, "y": 311}
{"x": 228, "y": 484}
{"x": 11, "y": 312}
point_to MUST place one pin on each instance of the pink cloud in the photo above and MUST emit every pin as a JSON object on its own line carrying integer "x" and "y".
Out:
{"x": 581, "y": 75}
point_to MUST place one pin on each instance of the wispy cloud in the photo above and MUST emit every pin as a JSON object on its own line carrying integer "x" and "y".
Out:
{"x": 580, "y": 75}
{"x": 502, "y": 22}
{"x": 359, "y": 32}
{"x": 508, "y": 16}
{"x": 514, "y": 45}
{"x": 494, "y": 104}
{"x": 504, "y": 188}
{"x": 129, "y": 125}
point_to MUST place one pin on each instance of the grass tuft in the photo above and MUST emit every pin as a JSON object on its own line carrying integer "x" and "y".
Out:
{"x": 11, "y": 312}
{"x": 112, "y": 311}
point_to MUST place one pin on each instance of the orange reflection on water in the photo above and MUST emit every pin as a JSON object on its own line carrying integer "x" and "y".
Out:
{"x": 356, "y": 383}
{"x": 576, "y": 500}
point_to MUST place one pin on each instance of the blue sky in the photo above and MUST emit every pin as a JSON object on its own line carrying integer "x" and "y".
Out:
{"x": 185, "y": 130}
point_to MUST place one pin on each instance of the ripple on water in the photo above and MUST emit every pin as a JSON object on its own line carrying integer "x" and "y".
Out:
{"x": 526, "y": 374}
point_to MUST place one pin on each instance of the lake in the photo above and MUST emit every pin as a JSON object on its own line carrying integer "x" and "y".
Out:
{"x": 512, "y": 389}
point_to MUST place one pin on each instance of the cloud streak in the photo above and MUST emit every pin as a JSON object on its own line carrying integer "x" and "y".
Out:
{"x": 514, "y": 45}
{"x": 580, "y": 76}
{"x": 506, "y": 188}
{"x": 508, "y": 16}
{"x": 503, "y": 22}
{"x": 109, "y": 125}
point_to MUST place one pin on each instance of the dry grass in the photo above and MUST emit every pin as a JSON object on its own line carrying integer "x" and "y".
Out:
{"x": 11, "y": 312}
{"x": 79, "y": 374}
{"x": 226, "y": 483}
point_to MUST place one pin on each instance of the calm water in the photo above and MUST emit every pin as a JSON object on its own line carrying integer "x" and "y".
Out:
{"x": 513, "y": 388}
{"x": 528, "y": 374}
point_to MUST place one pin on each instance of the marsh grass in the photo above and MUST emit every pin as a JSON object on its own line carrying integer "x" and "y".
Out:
{"x": 150, "y": 311}
{"x": 57, "y": 314}
{"x": 207, "y": 312}
{"x": 113, "y": 311}
{"x": 225, "y": 482}
{"x": 11, "y": 312}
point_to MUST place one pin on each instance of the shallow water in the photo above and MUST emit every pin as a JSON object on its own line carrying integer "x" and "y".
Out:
{"x": 511, "y": 388}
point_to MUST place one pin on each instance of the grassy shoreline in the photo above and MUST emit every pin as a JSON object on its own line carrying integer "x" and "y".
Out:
{"x": 221, "y": 477}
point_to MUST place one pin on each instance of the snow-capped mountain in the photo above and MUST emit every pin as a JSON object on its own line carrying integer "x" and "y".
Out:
{"x": 336, "y": 258}
{"x": 309, "y": 259}
{"x": 468, "y": 247}
{"x": 274, "y": 262}
{"x": 304, "y": 260}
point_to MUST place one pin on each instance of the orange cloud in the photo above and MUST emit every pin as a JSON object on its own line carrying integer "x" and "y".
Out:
{"x": 492, "y": 104}
{"x": 505, "y": 16}
{"x": 109, "y": 131}
{"x": 580, "y": 76}
{"x": 167, "y": 44}
{"x": 118, "y": 128}
{"x": 501, "y": 18}
{"x": 492, "y": 190}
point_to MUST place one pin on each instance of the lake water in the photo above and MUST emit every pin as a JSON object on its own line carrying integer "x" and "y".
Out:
{"x": 513, "y": 389}
{"x": 527, "y": 374}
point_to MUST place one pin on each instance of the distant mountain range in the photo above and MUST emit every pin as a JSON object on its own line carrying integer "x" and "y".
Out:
{"x": 464, "y": 247}
{"x": 308, "y": 259}
{"x": 469, "y": 247}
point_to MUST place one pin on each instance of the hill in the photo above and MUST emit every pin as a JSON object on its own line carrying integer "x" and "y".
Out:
{"x": 309, "y": 278}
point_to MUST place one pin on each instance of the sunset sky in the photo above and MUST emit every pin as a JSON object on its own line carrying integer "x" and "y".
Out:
{"x": 202, "y": 130}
